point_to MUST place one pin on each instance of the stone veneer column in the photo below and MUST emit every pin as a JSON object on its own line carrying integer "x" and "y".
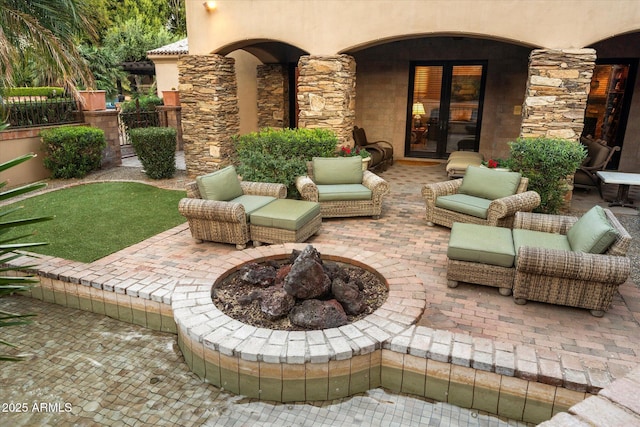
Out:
{"x": 209, "y": 100}
{"x": 273, "y": 96}
{"x": 557, "y": 89}
{"x": 327, "y": 94}
{"x": 107, "y": 120}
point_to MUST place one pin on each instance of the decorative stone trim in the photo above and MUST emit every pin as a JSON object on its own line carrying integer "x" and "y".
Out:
{"x": 327, "y": 94}
{"x": 209, "y": 98}
{"x": 557, "y": 90}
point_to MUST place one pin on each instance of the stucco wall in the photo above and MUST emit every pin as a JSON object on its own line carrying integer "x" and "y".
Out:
{"x": 382, "y": 79}
{"x": 327, "y": 27}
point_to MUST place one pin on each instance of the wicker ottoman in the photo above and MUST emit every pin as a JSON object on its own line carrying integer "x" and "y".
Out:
{"x": 285, "y": 221}
{"x": 481, "y": 254}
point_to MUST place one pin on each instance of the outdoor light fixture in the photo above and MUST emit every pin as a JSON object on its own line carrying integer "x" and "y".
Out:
{"x": 417, "y": 110}
{"x": 209, "y": 5}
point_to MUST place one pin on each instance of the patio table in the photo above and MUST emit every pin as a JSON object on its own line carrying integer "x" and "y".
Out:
{"x": 624, "y": 181}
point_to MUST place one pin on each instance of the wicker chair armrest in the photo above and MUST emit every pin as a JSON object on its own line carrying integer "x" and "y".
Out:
{"x": 278, "y": 191}
{"x": 434, "y": 190}
{"x": 559, "y": 224}
{"x": 508, "y": 206}
{"x": 212, "y": 210}
{"x": 193, "y": 192}
{"x": 373, "y": 182}
{"x": 573, "y": 265}
{"x": 307, "y": 188}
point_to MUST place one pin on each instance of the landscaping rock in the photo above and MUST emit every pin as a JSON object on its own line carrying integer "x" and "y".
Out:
{"x": 307, "y": 279}
{"x": 316, "y": 314}
{"x": 348, "y": 294}
{"x": 276, "y": 302}
{"x": 258, "y": 275}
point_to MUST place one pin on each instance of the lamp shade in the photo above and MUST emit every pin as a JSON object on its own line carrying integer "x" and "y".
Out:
{"x": 418, "y": 109}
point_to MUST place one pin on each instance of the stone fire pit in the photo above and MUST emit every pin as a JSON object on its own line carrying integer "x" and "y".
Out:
{"x": 294, "y": 365}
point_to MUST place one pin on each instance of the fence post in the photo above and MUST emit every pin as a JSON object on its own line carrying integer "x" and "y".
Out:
{"x": 171, "y": 116}
{"x": 107, "y": 120}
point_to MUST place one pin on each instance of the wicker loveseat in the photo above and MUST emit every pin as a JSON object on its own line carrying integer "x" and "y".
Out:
{"x": 570, "y": 277}
{"x": 342, "y": 188}
{"x": 225, "y": 220}
{"x": 484, "y": 196}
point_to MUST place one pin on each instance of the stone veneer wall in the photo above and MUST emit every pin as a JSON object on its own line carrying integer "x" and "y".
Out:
{"x": 209, "y": 99}
{"x": 327, "y": 94}
{"x": 273, "y": 96}
{"x": 557, "y": 90}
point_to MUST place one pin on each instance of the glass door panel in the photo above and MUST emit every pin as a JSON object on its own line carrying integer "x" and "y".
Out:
{"x": 445, "y": 101}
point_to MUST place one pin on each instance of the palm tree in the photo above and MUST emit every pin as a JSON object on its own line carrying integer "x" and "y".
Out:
{"x": 51, "y": 30}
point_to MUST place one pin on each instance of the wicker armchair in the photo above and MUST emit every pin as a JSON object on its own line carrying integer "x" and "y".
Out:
{"x": 575, "y": 279}
{"x": 345, "y": 208}
{"x": 225, "y": 222}
{"x": 500, "y": 212}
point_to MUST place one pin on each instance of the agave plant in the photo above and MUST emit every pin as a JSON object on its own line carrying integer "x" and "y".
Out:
{"x": 10, "y": 283}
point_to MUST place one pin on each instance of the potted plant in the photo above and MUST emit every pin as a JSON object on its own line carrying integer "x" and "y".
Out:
{"x": 356, "y": 151}
{"x": 171, "y": 97}
{"x": 93, "y": 100}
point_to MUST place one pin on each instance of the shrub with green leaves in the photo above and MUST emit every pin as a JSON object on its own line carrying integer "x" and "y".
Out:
{"x": 547, "y": 162}
{"x": 146, "y": 103}
{"x": 48, "y": 91}
{"x": 72, "y": 151}
{"x": 280, "y": 155}
{"x": 156, "y": 149}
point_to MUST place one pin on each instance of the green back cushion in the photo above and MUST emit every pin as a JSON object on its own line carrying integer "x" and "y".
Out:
{"x": 488, "y": 183}
{"x": 593, "y": 233}
{"x": 337, "y": 170}
{"x": 222, "y": 185}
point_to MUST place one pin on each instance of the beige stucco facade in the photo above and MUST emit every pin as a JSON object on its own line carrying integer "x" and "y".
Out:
{"x": 386, "y": 38}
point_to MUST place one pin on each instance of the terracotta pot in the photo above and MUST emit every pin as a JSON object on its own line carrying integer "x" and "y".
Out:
{"x": 93, "y": 100}
{"x": 171, "y": 97}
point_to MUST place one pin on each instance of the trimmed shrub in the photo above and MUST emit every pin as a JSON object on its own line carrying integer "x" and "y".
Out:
{"x": 72, "y": 151}
{"x": 156, "y": 149}
{"x": 48, "y": 91}
{"x": 280, "y": 155}
{"x": 147, "y": 103}
{"x": 547, "y": 162}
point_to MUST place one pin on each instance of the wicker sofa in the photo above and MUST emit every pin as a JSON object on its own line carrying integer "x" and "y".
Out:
{"x": 226, "y": 220}
{"x": 342, "y": 188}
{"x": 484, "y": 196}
{"x": 572, "y": 278}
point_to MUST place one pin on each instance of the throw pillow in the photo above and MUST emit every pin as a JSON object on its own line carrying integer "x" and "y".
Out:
{"x": 221, "y": 185}
{"x": 489, "y": 184}
{"x": 337, "y": 170}
{"x": 593, "y": 233}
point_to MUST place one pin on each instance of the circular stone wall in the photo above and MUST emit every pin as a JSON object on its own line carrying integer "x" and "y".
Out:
{"x": 293, "y": 365}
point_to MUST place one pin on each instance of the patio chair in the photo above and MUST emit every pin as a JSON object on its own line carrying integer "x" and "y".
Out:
{"x": 218, "y": 206}
{"x": 381, "y": 151}
{"x": 484, "y": 196}
{"x": 342, "y": 188}
{"x": 586, "y": 275}
{"x": 599, "y": 155}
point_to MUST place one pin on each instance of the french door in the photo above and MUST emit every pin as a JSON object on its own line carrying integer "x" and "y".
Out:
{"x": 445, "y": 107}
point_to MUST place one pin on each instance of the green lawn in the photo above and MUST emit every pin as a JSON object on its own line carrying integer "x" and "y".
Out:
{"x": 95, "y": 220}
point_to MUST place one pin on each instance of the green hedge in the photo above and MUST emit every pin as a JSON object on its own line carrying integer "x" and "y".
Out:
{"x": 156, "y": 149}
{"x": 48, "y": 91}
{"x": 147, "y": 103}
{"x": 72, "y": 151}
{"x": 280, "y": 155}
{"x": 547, "y": 162}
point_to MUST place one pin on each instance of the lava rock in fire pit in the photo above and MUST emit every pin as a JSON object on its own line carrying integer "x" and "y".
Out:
{"x": 258, "y": 275}
{"x": 316, "y": 314}
{"x": 307, "y": 278}
{"x": 276, "y": 302}
{"x": 348, "y": 294}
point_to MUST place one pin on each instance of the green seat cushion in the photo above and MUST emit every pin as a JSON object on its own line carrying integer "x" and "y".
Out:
{"x": 337, "y": 170}
{"x": 593, "y": 233}
{"x": 222, "y": 185}
{"x": 329, "y": 193}
{"x": 463, "y": 203}
{"x": 252, "y": 203}
{"x": 482, "y": 244}
{"x": 488, "y": 183}
{"x": 539, "y": 239}
{"x": 286, "y": 214}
